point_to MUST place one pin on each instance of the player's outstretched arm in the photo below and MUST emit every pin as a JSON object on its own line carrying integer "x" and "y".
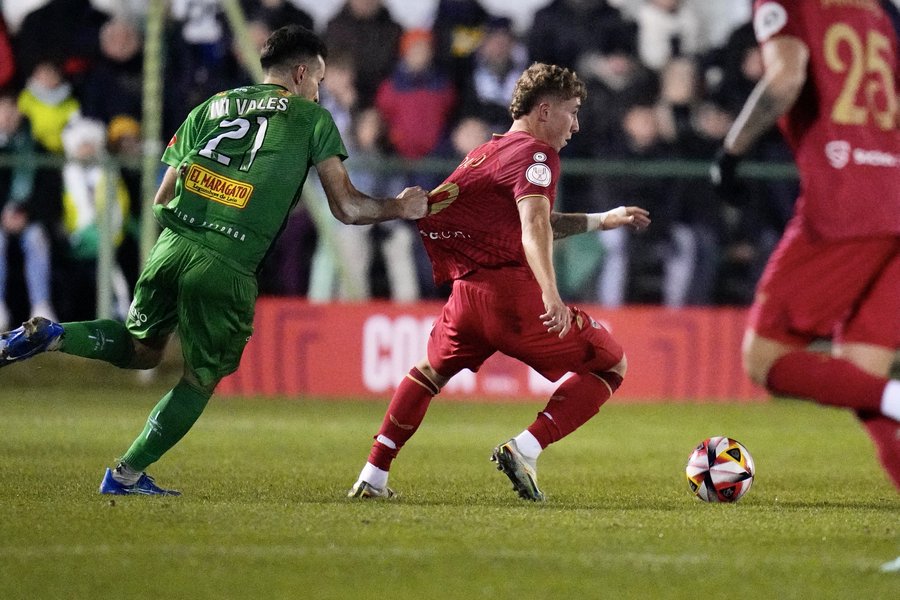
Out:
{"x": 567, "y": 224}
{"x": 351, "y": 206}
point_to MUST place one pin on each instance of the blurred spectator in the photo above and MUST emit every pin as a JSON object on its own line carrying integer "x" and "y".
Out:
{"x": 380, "y": 260}
{"x": 468, "y": 134}
{"x": 124, "y": 140}
{"x": 615, "y": 79}
{"x": 286, "y": 270}
{"x": 737, "y": 67}
{"x": 458, "y": 30}
{"x": 566, "y": 28}
{"x": 694, "y": 204}
{"x": 48, "y": 103}
{"x": 234, "y": 71}
{"x": 123, "y": 135}
{"x": 85, "y": 195}
{"x": 198, "y": 54}
{"x": 16, "y": 189}
{"x": 114, "y": 85}
{"x": 276, "y": 13}
{"x": 499, "y": 60}
{"x": 366, "y": 29}
{"x": 668, "y": 29}
{"x": 679, "y": 91}
{"x": 416, "y": 101}
{"x": 656, "y": 266}
{"x": 67, "y": 31}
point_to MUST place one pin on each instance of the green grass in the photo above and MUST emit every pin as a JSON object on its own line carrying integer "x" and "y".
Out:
{"x": 264, "y": 513}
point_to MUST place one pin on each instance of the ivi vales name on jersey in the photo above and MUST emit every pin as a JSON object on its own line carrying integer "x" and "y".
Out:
{"x": 222, "y": 107}
{"x": 217, "y": 188}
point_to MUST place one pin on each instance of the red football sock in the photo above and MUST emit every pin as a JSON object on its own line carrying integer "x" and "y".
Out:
{"x": 403, "y": 417}
{"x": 572, "y": 405}
{"x": 885, "y": 433}
{"x": 825, "y": 379}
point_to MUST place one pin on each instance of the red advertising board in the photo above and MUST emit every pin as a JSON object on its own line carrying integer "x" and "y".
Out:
{"x": 364, "y": 350}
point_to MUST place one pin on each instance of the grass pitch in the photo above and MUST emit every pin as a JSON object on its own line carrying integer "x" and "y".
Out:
{"x": 264, "y": 513}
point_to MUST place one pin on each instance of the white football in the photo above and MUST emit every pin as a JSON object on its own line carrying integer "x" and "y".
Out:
{"x": 720, "y": 469}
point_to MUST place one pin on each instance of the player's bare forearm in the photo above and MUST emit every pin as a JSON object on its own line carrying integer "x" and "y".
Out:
{"x": 758, "y": 115}
{"x": 353, "y": 207}
{"x": 411, "y": 203}
{"x": 537, "y": 242}
{"x": 785, "y": 60}
{"x": 568, "y": 224}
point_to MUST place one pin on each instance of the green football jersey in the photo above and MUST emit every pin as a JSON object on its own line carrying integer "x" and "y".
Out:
{"x": 243, "y": 157}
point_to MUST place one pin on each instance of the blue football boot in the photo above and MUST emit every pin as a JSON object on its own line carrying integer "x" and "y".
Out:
{"x": 36, "y": 335}
{"x": 144, "y": 486}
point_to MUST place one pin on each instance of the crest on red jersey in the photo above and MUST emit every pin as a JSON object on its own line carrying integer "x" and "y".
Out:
{"x": 539, "y": 174}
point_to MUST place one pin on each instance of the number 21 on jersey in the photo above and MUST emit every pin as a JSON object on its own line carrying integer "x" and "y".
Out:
{"x": 237, "y": 129}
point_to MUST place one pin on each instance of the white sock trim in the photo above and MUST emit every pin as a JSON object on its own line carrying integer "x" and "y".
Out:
{"x": 387, "y": 442}
{"x": 374, "y": 476}
{"x": 890, "y": 400}
{"x": 528, "y": 445}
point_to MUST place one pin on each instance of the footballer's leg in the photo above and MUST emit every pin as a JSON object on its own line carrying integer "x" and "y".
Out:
{"x": 169, "y": 421}
{"x": 102, "y": 339}
{"x": 452, "y": 347}
{"x": 572, "y": 404}
{"x": 883, "y": 431}
{"x": 402, "y": 419}
{"x": 815, "y": 289}
{"x": 799, "y": 373}
{"x": 34, "y": 336}
{"x": 215, "y": 314}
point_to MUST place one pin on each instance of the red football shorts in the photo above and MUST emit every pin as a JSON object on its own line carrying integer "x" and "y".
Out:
{"x": 845, "y": 290}
{"x": 499, "y": 310}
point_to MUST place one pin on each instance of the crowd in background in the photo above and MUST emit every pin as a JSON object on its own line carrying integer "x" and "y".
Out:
{"x": 658, "y": 88}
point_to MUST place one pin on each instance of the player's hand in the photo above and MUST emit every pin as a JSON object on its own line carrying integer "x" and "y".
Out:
{"x": 556, "y": 318}
{"x": 415, "y": 203}
{"x": 632, "y": 216}
{"x": 723, "y": 176}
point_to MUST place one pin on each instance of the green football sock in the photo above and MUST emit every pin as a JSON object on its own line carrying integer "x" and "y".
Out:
{"x": 169, "y": 421}
{"x": 103, "y": 339}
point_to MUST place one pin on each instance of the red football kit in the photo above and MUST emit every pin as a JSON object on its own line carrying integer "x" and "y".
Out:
{"x": 474, "y": 238}
{"x": 836, "y": 272}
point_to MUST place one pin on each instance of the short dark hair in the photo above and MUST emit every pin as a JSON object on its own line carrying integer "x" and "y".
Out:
{"x": 541, "y": 80}
{"x": 290, "y": 44}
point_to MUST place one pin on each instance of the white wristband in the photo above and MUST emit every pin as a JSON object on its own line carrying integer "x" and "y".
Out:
{"x": 621, "y": 211}
{"x": 595, "y": 221}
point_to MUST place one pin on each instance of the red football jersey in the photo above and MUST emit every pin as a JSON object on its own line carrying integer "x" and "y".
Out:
{"x": 843, "y": 128}
{"x": 473, "y": 222}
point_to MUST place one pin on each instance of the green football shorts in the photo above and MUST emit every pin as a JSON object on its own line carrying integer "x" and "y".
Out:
{"x": 186, "y": 285}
